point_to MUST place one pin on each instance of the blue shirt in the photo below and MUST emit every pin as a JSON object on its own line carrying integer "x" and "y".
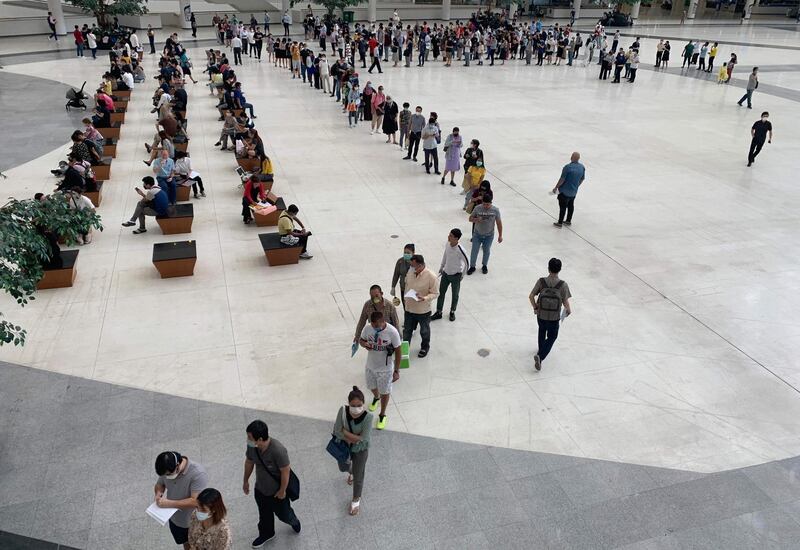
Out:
{"x": 161, "y": 203}
{"x": 572, "y": 174}
{"x": 164, "y": 167}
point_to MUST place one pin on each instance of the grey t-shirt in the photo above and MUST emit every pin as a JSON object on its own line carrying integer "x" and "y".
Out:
{"x": 484, "y": 225}
{"x": 275, "y": 458}
{"x": 193, "y": 480}
{"x": 564, "y": 291}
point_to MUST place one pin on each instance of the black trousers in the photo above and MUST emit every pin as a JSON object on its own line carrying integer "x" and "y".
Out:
{"x": 258, "y": 47}
{"x": 376, "y": 63}
{"x": 413, "y": 144}
{"x": 710, "y": 63}
{"x": 237, "y": 56}
{"x": 755, "y": 148}
{"x": 617, "y": 72}
{"x": 604, "y": 70}
{"x": 410, "y": 323}
{"x": 633, "y": 75}
{"x": 245, "y": 45}
{"x": 548, "y": 332}
{"x": 286, "y": 29}
{"x": 566, "y": 205}
{"x": 658, "y": 58}
{"x": 431, "y": 154}
{"x": 268, "y": 508}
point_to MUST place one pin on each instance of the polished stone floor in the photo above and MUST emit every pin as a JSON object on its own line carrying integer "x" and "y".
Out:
{"x": 680, "y": 354}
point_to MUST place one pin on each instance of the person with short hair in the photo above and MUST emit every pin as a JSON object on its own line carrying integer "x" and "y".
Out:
{"x": 270, "y": 460}
{"x": 760, "y": 131}
{"x": 547, "y": 297}
{"x": 163, "y": 168}
{"x": 79, "y": 42}
{"x": 356, "y": 433}
{"x": 154, "y": 203}
{"x": 180, "y": 482}
{"x": 452, "y": 270}
{"x": 572, "y": 176}
{"x": 375, "y": 303}
{"x": 485, "y": 216}
{"x": 752, "y": 84}
{"x": 382, "y": 342}
{"x": 291, "y": 236}
{"x": 401, "y": 268}
{"x": 209, "y": 528}
{"x": 416, "y": 125}
{"x": 422, "y": 281}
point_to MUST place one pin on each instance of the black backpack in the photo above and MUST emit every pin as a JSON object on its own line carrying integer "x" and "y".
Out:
{"x": 550, "y": 297}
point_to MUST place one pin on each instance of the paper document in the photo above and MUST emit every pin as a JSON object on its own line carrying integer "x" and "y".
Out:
{"x": 354, "y": 349}
{"x": 411, "y": 294}
{"x": 564, "y": 314}
{"x": 161, "y": 515}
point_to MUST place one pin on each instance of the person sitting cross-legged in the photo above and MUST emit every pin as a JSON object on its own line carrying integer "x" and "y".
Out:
{"x": 154, "y": 203}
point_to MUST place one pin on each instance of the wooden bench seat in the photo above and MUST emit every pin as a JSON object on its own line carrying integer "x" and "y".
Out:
{"x": 103, "y": 171}
{"x": 118, "y": 116}
{"x": 179, "y": 222}
{"x": 110, "y": 148}
{"x": 182, "y": 193}
{"x": 61, "y": 277}
{"x": 249, "y": 165}
{"x": 96, "y": 196}
{"x": 122, "y": 93}
{"x": 175, "y": 259}
{"x": 181, "y": 146}
{"x": 111, "y": 131}
{"x": 276, "y": 252}
{"x": 270, "y": 219}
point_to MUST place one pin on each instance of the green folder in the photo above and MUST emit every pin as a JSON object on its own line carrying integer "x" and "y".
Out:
{"x": 404, "y": 362}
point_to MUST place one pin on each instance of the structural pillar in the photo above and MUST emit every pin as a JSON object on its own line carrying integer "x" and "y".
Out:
{"x": 576, "y": 5}
{"x": 512, "y": 10}
{"x": 185, "y": 13}
{"x": 690, "y": 14}
{"x": 373, "y": 10}
{"x": 285, "y": 5}
{"x": 748, "y": 9}
{"x": 445, "y": 10}
{"x": 54, "y": 6}
{"x": 635, "y": 10}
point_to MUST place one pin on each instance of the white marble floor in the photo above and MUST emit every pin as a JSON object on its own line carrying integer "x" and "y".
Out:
{"x": 681, "y": 350}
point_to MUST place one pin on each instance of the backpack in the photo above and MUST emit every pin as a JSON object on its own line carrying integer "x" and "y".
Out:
{"x": 550, "y": 297}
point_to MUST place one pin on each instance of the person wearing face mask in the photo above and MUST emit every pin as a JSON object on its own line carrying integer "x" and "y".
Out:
{"x": 430, "y": 139}
{"x": 354, "y": 426}
{"x": 378, "y": 101}
{"x": 472, "y": 155}
{"x": 401, "y": 268}
{"x": 452, "y": 156}
{"x": 382, "y": 342}
{"x": 376, "y": 302}
{"x": 270, "y": 460}
{"x": 180, "y": 482}
{"x": 485, "y": 216}
{"x": 759, "y": 132}
{"x": 390, "y": 112}
{"x": 415, "y": 134}
{"x": 209, "y": 529}
{"x": 422, "y": 281}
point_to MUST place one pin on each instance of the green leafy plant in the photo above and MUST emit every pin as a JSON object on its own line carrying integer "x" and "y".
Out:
{"x": 24, "y": 249}
{"x": 105, "y": 10}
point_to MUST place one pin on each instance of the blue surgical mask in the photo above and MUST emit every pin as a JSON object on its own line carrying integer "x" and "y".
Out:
{"x": 202, "y": 516}
{"x": 251, "y": 444}
{"x": 407, "y": 257}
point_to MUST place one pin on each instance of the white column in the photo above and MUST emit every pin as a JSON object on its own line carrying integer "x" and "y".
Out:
{"x": 635, "y": 10}
{"x": 748, "y": 9}
{"x": 576, "y": 5}
{"x": 185, "y": 11}
{"x": 512, "y": 10}
{"x": 285, "y": 5}
{"x": 55, "y": 7}
{"x": 692, "y": 9}
{"x": 373, "y": 10}
{"x": 445, "y": 10}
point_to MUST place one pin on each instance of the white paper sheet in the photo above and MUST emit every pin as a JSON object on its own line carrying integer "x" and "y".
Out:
{"x": 411, "y": 294}
{"x": 161, "y": 515}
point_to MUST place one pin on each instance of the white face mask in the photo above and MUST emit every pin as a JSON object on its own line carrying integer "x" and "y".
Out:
{"x": 171, "y": 476}
{"x": 356, "y": 411}
{"x": 202, "y": 516}
{"x": 764, "y": 118}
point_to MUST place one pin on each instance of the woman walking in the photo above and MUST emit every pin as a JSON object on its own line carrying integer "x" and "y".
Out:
{"x": 452, "y": 155}
{"x": 390, "y": 112}
{"x": 354, "y": 425}
{"x": 209, "y": 529}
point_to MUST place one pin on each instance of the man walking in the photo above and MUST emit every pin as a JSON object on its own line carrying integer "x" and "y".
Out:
{"x": 420, "y": 292}
{"x": 270, "y": 460}
{"x": 454, "y": 266}
{"x": 752, "y": 84}
{"x": 572, "y": 176}
{"x": 760, "y": 130}
{"x": 548, "y": 295}
{"x": 51, "y": 22}
{"x": 382, "y": 342}
{"x": 415, "y": 134}
{"x": 485, "y": 216}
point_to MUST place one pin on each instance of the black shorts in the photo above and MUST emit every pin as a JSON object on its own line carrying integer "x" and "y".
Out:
{"x": 180, "y": 534}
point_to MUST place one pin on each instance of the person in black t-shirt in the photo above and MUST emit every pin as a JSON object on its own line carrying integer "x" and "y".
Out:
{"x": 760, "y": 131}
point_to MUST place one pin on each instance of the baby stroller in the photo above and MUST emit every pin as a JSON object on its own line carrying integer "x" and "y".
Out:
{"x": 76, "y": 98}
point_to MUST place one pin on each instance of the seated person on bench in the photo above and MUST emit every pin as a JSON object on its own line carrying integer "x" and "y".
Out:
{"x": 127, "y": 77}
{"x": 90, "y": 133}
{"x": 102, "y": 113}
{"x": 163, "y": 142}
{"x": 78, "y": 175}
{"x": 291, "y": 236}
{"x": 253, "y": 193}
{"x": 138, "y": 73}
{"x": 154, "y": 203}
{"x": 183, "y": 168}
{"x": 84, "y": 150}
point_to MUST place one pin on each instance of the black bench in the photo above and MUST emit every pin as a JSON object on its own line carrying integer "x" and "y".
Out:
{"x": 175, "y": 259}
{"x": 179, "y": 221}
{"x": 278, "y": 253}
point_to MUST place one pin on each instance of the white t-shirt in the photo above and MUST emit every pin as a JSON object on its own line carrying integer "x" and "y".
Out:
{"x": 92, "y": 40}
{"x": 236, "y": 42}
{"x": 127, "y": 78}
{"x": 377, "y": 358}
{"x": 135, "y": 41}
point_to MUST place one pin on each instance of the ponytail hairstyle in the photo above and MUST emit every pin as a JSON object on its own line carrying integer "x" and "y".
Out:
{"x": 355, "y": 393}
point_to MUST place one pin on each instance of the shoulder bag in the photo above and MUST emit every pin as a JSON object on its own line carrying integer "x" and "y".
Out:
{"x": 338, "y": 448}
{"x": 292, "y": 489}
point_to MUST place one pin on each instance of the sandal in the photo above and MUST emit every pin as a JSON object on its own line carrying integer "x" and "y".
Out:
{"x": 354, "y": 506}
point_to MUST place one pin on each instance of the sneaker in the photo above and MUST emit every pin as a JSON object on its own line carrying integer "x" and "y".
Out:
{"x": 557, "y": 224}
{"x": 374, "y": 404}
{"x": 484, "y": 270}
{"x": 147, "y": 162}
{"x": 452, "y": 316}
{"x": 470, "y": 271}
{"x": 749, "y": 164}
{"x": 438, "y": 174}
{"x": 147, "y": 147}
{"x": 261, "y": 541}
{"x": 381, "y": 423}
{"x": 217, "y": 144}
{"x": 537, "y": 362}
{"x": 128, "y": 224}
{"x": 567, "y": 223}
{"x": 296, "y": 526}
{"x": 422, "y": 353}
{"x": 202, "y": 193}
{"x": 139, "y": 231}
{"x": 306, "y": 256}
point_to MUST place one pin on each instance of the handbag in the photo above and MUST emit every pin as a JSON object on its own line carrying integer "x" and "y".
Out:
{"x": 292, "y": 488}
{"x": 337, "y": 448}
